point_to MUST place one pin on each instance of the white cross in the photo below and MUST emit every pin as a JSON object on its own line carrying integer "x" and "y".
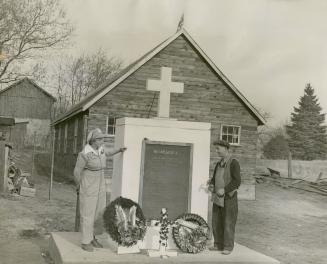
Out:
{"x": 165, "y": 86}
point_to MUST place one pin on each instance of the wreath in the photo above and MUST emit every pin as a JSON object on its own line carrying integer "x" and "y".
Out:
{"x": 190, "y": 233}
{"x": 124, "y": 221}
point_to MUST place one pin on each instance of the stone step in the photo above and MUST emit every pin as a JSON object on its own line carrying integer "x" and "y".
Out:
{"x": 65, "y": 249}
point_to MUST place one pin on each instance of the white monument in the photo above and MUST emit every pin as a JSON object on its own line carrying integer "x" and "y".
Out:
{"x": 166, "y": 164}
{"x": 155, "y": 143}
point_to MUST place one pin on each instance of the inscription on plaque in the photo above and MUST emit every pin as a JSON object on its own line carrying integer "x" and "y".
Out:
{"x": 165, "y": 179}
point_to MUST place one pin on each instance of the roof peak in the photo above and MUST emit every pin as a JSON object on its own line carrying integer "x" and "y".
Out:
{"x": 30, "y": 81}
{"x": 94, "y": 96}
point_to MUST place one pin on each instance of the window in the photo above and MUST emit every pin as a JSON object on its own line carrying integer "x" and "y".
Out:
{"x": 231, "y": 134}
{"x": 111, "y": 125}
{"x": 75, "y": 135}
{"x": 65, "y": 138}
{"x": 59, "y": 139}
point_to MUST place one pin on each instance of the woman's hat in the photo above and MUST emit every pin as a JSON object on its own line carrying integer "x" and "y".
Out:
{"x": 95, "y": 134}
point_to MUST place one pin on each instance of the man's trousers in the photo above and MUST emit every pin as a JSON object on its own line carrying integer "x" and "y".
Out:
{"x": 224, "y": 221}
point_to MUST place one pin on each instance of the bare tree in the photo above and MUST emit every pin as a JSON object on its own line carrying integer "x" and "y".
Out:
{"x": 74, "y": 77}
{"x": 263, "y": 131}
{"x": 100, "y": 68}
{"x": 27, "y": 27}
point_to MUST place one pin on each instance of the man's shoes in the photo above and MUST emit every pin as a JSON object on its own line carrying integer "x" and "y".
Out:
{"x": 226, "y": 252}
{"x": 95, "y": 243}
{"x": 87, "y": 247}
{"x": 215, "y": 248}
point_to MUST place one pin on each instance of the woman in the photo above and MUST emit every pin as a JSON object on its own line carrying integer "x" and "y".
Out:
{"x": 89, "y": 178}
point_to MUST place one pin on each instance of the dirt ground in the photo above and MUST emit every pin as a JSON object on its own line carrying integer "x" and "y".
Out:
{"x": 289, "y": 225}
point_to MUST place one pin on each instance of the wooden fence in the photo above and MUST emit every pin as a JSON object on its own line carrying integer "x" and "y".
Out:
{"x": 301, "y": 169}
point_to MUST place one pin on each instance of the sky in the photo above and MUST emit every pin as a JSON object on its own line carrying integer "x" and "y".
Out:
{"x": 269, "y": 49}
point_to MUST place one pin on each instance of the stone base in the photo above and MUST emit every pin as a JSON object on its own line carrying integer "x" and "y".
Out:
{"x": 162, "y": 254}
{"x": 120, "y": 249}
{"x": 65, "y": 248}
{"x": 152, "y": 237}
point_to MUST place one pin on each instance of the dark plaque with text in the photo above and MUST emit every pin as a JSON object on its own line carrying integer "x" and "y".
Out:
{"x": 166, "y": 178}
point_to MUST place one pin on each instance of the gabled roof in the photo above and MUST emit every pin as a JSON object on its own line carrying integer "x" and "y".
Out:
{"x": 31, "y": 82}
{"x": 97, "y": 94}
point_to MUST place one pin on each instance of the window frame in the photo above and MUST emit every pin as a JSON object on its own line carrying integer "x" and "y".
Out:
{"x": 59, "y": 139}
{"x": 65, "y": 137}
{"x": 113, "y": 126}
{"x": 75, "y": 136}
{"x": 239, "y": 133}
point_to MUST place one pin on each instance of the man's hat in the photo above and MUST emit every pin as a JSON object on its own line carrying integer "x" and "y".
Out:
{"x": 223, "y": 143}
{"x": 95, "y": 134}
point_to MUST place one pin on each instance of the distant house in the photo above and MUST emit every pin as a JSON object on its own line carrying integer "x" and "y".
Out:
{"x": 31, "y": 107}
{"x": 208, "y": 97}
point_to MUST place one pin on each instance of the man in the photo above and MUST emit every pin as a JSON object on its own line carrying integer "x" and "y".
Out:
{"x": 223, "y": 185}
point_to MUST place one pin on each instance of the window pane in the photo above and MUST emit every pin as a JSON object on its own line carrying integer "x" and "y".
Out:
{"x": 230, "y": 139}
{"x": 224, "y": 137}
{"x": 224, "y": 129}
{"x": 230, "y": 130}
{"x": 111, "y": 121}
{"x": 236, "y": 130}
{"x": 111, "y": 130}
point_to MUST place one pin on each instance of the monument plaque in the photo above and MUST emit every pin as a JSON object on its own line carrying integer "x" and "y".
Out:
{"x": 165, "y": 178}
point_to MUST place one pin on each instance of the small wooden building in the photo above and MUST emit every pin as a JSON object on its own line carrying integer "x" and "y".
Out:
{"x": 31, "y": 107}
{"x": 208, "y": 97}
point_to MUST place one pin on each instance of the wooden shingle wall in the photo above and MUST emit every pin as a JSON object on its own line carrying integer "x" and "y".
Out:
{"x": 206, "y": 98}
{"x": 64, "y": 161}
{"x": 24, "y": 100}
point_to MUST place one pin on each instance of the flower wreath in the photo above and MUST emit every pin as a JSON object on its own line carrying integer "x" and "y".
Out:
{"x": 190, "y": 233}
{"x": 124, "y": 221}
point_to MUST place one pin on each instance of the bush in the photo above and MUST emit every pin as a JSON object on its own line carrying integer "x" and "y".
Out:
{"x": 276, "y": 148}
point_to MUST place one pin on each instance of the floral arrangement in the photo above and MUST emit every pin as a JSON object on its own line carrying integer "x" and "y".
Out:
{"x": 124, "y": 221}
{"x": 163, "y": 233}
{"x": 190, "y": 233}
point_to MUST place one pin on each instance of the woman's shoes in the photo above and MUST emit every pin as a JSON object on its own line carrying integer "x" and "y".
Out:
{"x": 87, "y": 247}
{"x": 95, "y": 243}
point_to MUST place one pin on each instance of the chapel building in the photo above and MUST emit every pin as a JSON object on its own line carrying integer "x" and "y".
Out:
{"x": 208, "y": 97}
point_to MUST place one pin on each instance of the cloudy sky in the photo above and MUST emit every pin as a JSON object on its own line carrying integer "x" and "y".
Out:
{"x": 269, "y": 49}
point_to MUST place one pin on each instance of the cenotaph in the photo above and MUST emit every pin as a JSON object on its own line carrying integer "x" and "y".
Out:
{"x": 167, "y": 160}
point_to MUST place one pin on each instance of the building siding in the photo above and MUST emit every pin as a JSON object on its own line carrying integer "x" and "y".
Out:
{"x": 206, "y": 98}
{"x": 64, "y": 161}
{"x": 24, "y": 100}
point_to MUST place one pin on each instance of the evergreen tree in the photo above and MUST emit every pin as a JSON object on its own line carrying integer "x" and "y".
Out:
{"x": 307, "y": 134}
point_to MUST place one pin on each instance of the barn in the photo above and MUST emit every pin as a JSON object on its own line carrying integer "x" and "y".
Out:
{"x": 208, "y": 97}
{"x": 31, "y": 108}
